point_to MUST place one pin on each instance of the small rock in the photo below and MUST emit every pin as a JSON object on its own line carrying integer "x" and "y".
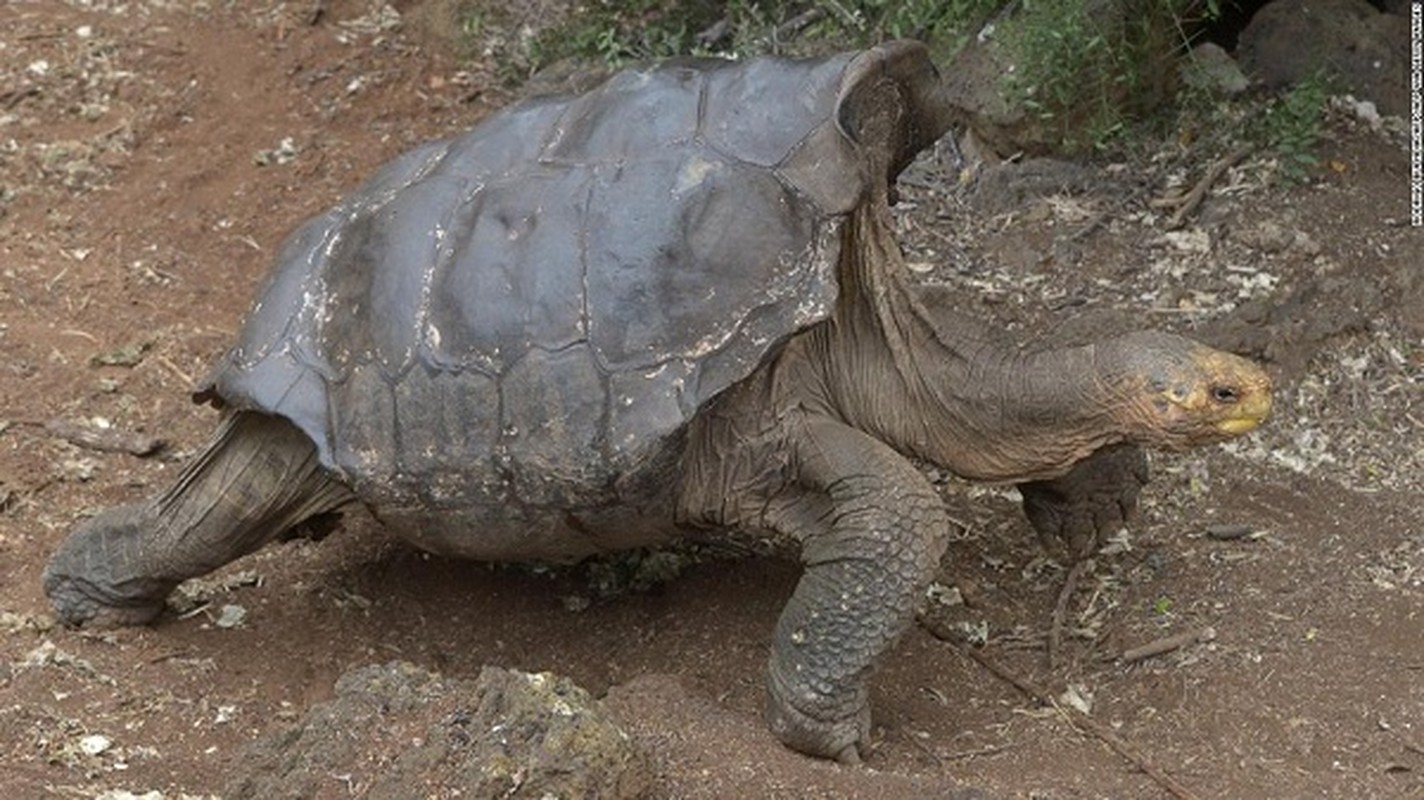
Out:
{"x": 1078, "y": 697}
{"x": 231, "y": 616}
{"x": 48, "y": 655}
{"x": 79, "y": 469}
{"x": 94, "y": 744}
{"x": 974, "y": 633}
{"x": 1267, "y": 237}
{"x": 945, "y": 596}
{"x": 10, "y": 622}
{"x": 508, "y": 734}
{"x": 1363, "y": 110}
{"x": 1012, "y": 186}
{"x": 1210, "y": 68}
{"x": 130, "y": 355}
{"x": 1228, "y": 532}
{"x": 1302, "y": 243}
{"x": 1195, "y": 240}
{"x": 284, "y": 153}
{"x": 196, "y": 592}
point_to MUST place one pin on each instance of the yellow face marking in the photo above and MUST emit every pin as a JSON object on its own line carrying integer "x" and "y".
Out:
{"x": 1195, "y": 393}
{"x": 1238, "y": 425}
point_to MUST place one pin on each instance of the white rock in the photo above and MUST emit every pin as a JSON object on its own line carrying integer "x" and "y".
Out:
{"x": 947, "y": 596}
{"x": 231, "y": 616}
{"x": 1077, "y": 696}
{"x": 95, "y": 743}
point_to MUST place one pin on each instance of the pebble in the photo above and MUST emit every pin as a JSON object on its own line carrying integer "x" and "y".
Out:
{"x": 1228, "y": 532}
{"x": 231, "y": 616}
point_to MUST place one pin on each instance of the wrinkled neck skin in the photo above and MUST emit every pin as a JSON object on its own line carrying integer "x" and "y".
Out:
{"x": 942, "y": 386}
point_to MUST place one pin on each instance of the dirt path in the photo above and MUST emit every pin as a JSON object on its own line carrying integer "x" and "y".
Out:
{"x": 153, "y": 156}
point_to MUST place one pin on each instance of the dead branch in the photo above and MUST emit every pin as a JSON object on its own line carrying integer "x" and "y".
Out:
{"x": 177, "y": 371}
{"x": 1228, "y": 532}
{"x": 711, "y": 35}
{"x": 793, "y": 27}
{"x": 10, "y": 99}
{"x": 1167, "y": 644}
{"x": 987, "y": 750}
{"x": 101, "y": 439}
{"x": 1083, "y": 722}
{"x": 1060, "y": 609}
{"x": 161, "y": 49}
{"x": 1187, "y": 203}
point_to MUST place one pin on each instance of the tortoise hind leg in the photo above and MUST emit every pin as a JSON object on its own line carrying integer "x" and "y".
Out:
{"x": 258, "y": 477}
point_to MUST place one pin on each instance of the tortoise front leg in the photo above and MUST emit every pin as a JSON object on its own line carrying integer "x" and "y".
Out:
{"x": 872, "y": 531}
{"x": 258, "y": 477}
{"x": 1079, "y": 510}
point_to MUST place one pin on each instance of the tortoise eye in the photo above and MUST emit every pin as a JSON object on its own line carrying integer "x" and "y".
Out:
{"x": 1225, "y": 395}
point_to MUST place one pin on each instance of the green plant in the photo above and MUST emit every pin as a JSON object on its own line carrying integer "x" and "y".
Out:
{"x": 616, "y": 32}
{"x": 942, "y": 24}
{"x": 1090, "y": 70}
{"x": 1289, "y": 127}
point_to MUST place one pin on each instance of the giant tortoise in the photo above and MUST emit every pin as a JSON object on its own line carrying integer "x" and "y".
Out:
{"x": 671, "y": 306}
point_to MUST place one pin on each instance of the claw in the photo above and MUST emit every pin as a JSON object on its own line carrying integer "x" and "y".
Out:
{"x": 849, "y": 756}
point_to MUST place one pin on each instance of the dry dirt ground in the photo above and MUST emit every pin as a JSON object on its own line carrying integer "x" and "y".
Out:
{"x": 152, "y": 156}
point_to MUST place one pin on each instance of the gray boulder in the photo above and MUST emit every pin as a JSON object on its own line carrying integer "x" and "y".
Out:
{"x": 1367, "y": 50}
{"x": 1211, "y": 69}
{"x": 398, "y": 732}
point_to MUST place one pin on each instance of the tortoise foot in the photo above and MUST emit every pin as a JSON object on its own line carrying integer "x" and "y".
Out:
{"x": 841, "y": 739}
{"x": 90, "y": 580}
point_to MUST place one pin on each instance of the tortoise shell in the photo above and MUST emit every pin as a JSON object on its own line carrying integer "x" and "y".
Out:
{"x": 529, "y": 314}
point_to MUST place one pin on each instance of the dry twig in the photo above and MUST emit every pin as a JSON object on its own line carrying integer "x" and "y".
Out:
{"x": 1083, "y": 722}
{"x": 1187, "y": 203}
{"x": 1060, "y": 609}
{"x": 101, "y": 439}
{"x": 1167, "y": 644}
{"x": 793, "y": 27}
{"x": 10, "y": 99}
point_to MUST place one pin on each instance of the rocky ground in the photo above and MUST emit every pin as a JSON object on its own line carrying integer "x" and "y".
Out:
{"x": 152, "y": 156}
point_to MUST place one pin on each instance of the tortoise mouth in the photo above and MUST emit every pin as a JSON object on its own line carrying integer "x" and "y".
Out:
{"x": 1239, "y": 425}
{"x": 1247, "y": 416}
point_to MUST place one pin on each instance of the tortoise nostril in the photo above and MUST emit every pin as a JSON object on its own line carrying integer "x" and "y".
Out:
{"x": 1225, "y": 395}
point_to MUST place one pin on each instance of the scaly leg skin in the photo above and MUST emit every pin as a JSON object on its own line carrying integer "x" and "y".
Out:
{"x": 872, "y": 532}
{"x": 258, "y": 477}
{"x": 1079, "y": 510}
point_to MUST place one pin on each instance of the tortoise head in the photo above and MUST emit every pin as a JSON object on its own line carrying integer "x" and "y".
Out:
{"x": 1180, "y": 393}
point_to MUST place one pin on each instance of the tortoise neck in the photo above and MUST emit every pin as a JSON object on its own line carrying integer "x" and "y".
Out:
{"x": 938, "y": 384}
